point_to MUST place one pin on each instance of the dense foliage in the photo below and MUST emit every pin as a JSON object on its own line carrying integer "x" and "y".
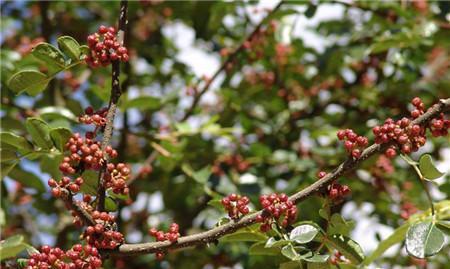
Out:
{"x": 190, "y": 153}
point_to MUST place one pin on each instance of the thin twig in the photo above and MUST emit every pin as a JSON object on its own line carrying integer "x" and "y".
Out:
{"x": 214, "y": 234}
{"x": 76, "y": 207}
{"x": 150, "y": 159}
{"x": 114, "y": 99}
{"x": 230, "y": 59}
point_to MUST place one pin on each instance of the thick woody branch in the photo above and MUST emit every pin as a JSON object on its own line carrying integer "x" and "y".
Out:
{"x": 214, "y": 234}
{"x": 114, "y": 99}
{"x": 230, "y": 59}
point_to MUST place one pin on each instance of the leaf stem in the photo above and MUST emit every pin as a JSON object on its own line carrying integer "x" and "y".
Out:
{"x": 422, "y": 181}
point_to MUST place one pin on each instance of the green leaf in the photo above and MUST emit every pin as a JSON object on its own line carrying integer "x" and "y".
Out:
{"x": 424, "y": 239}
{"x": 200, "y": 176}
{"x": 291, "y": 265}
{"x": 315, "y": 257}
{"x": 396, "y": 237}
{"x": 90, "y": 184}
{"x": 317, "y": 265}
{"x": 338, "y": 225}
{"x": 216, "y": 203}
{"x": 27, "y": 179}
{"x": 110, "y": 204}
{"x": 6, "y": 167}
{"x": 272, "y": 242}
{"x": 47, "y": 163}
{"x": 2, "y": 217}
{"x": 55, "y": 112}
{"x": 31, "y": 81}
{"x": 118, "y": 196}
{"x": 22, "y": 262}
{"x": 289, "y": 252}
{"x": 16, "y": 141}
{"x": 40, "y": 132}
{"x": 304, "y": 233}
{"x": 427, "y": 168}
{"x": 144, "y": 103}
{"x": 324, "y": 212}
{"x": 84, "y": 50}
{"x": 444, "y": 225}
{"x": 50, "y": 56}
{"x": 260, "y": 249}
{"x": 349, "y": 248}
{"x": 244, "y": 236}
{"x": 310, "y": 11}
{"x": 69, "y": 46}
{"x": 60, "y": 136}
{"x": 8, "y": 155}
{"x": 11, "y": 246}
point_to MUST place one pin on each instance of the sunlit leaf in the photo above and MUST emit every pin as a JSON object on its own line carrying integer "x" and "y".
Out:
{"x": 289, "y": 252}
{"x": 27, "y": 179}
{"x": 349, "y": 248}
{"x": 424, "y": 239}
{"x": 50, "y": 56}
{"x": 60, "y": 136}
{"x": 16, "y": 141}
{"x": 70, "y": 47}
{"x": 144, "y": 103}
{"x": 30, "y": 81}
{"x": 40, "y": 132}
{"x": 427, "y": 168}
{"x": 110, "y": 204}
{"x": 12, "y": 246}
{"x": 54, "y": 112}
{"x": 260, "y": 249}
{"x": 244, "y": 236}
{"x": 304, "y": 233}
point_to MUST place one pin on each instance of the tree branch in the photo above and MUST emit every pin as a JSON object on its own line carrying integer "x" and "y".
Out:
{"x": 75, "y": 206}
{"x": 230, "y": 58}
{"x": 215, "y": 233}
{"x": 115, "y": 95}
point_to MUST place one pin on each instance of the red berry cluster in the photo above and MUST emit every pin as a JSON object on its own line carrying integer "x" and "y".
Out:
{"x": 236, "y": 205}
{"x": 439, "y": 126}
{"x": 354, "y": 144}
{"x": 102, "y": 235}
{"x": 65, "y": 182}
{"x": 231, "y": 161}
{"x": 278, "y": 209}
{"x": 409, "y": 138}
{"x": 172, "y": 235}
{"x": 86, "y": 152}
{"x": 337, "y": 192}
{"x": 78, "y": 257}
{"x": 116, "y": 177}
{"x": 105, "y": 48}
{"x": 98, "y": 118}
{"x": 256, "y": 44}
